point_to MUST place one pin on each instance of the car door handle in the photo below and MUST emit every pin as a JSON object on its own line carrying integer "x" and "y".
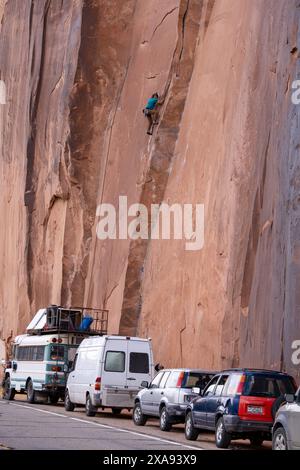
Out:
{"x": 131, "y": 378}
{"x": 151, "y": 393}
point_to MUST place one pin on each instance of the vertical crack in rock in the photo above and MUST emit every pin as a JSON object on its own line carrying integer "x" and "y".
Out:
{"x": 161, "y": 155}
{"x": 30, "y": 189}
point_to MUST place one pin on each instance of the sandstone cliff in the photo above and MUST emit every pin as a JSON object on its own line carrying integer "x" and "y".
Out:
{"x": 72, "y": 136}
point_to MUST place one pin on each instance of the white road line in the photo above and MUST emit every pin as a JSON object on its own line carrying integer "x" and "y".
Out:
{"x": 40, "y": 410}
{"x": 137, "y": 434}
{"x": 147, "y": 436}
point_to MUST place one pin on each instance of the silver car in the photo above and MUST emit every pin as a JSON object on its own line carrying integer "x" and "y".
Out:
{"x": 286, "y": 429}
{"x": 168, "y": 395}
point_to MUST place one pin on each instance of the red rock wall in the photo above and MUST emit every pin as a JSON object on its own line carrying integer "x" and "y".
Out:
{"x": 72, "y": 135}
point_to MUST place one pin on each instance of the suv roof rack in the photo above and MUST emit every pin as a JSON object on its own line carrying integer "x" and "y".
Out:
{"x": 61, "y": 320}
{"x": 254, "y": 369}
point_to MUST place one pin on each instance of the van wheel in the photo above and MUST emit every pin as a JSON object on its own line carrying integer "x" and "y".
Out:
{"x": 69, "y": 406}
{"x": 90, "y": 410}
{"x": 138, "y": 417}
{"x": 8, "y": 392}
{"x": 191, "y": 433}
{"x": 223, "y": 438}
{"x": 116, "y": 411}
{"x": 30, "y": 392}
{"x": 164, "y": 420}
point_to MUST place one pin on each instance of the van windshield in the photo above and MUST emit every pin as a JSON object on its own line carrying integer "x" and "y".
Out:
{"x": 258, "y": 385}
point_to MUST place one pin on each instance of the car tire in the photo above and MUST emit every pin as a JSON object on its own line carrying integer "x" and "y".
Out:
{"x": 69, "y": 406}
{"x": 138, "y": 417}
{"x": 191, "y": 433}
{"x": 90, "y": 410}
{"x": 256, "y": 441}
{"x": 164, "y": 420}
{"x": 279, "y": 441}
{"x": 116, "y": 411}
{"x": 30, "y": 392}
{"x": 223, "y": 438}
{"x": 8, "y": 392}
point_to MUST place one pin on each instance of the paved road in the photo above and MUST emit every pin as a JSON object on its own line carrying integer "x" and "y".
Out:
{"x": 33, "y": 427}
{"x": 41, "y": 426}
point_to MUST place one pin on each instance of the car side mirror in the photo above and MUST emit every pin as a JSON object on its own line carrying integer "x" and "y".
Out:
{"x": 289, "y": 398}
{"x": 196, "y": 390}
{"x": 144, "y": 384}
{"x": 14, "y": 366}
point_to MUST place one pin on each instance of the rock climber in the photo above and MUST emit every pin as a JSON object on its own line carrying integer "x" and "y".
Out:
{"x": 151, "y": 112}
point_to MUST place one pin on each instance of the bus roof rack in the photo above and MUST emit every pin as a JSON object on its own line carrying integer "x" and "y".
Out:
{"x": 56, "y": 319}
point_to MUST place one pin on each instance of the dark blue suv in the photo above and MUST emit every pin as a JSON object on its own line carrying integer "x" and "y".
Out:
{"x": 239, "y": 404}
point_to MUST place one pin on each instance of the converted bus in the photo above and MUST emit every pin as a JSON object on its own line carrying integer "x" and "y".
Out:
{"x": 41, "y": 359}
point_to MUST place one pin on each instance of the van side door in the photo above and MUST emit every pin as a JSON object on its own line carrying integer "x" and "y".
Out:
{"x": 114, "y": 377}
{"x": 138, "y": 364}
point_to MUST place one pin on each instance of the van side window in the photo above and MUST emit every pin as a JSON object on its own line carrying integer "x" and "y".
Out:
{"x": 139, "y": 363}
{"x": 114, "y": 361}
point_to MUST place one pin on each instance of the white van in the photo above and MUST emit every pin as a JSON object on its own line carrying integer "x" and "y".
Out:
{"x": 108, "y": 371}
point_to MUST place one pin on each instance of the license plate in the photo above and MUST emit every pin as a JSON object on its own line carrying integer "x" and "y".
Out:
{"x": 255, "y": 410}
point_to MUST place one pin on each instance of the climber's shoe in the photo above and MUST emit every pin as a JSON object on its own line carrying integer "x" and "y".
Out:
{"x": 149, "y": 133}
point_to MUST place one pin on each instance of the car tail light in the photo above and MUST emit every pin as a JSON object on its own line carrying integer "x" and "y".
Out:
{"x": 241, "y": 385}
{"x": 98, "y": 383}
{"x": 60, "y": 340}
{"x": 56, "y": 368}
{"x": 54, "y": 340}
{"x": 180, "y": 380}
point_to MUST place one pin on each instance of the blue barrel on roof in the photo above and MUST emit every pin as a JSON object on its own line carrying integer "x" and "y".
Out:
{"x": 86, "y": 323}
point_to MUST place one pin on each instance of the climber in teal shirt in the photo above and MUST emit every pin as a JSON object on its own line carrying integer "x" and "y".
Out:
{"x": 151, "y": 112}
{"x": 152, "y": 101}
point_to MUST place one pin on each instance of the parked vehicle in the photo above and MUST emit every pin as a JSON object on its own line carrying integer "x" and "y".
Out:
{"x": 108, "y": 372}
{"x": 41, "y": 359}
{"x": 239, "y": 404}
{"x": 168, "y": 395}
{"x": 286, "y": 429}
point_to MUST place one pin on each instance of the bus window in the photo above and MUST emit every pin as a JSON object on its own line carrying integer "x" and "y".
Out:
{"x": 39, "y": 353}
{"x": 57, "y": 352}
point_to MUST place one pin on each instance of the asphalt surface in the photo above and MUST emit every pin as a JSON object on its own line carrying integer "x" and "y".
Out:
{"x": 40, "y": 426}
